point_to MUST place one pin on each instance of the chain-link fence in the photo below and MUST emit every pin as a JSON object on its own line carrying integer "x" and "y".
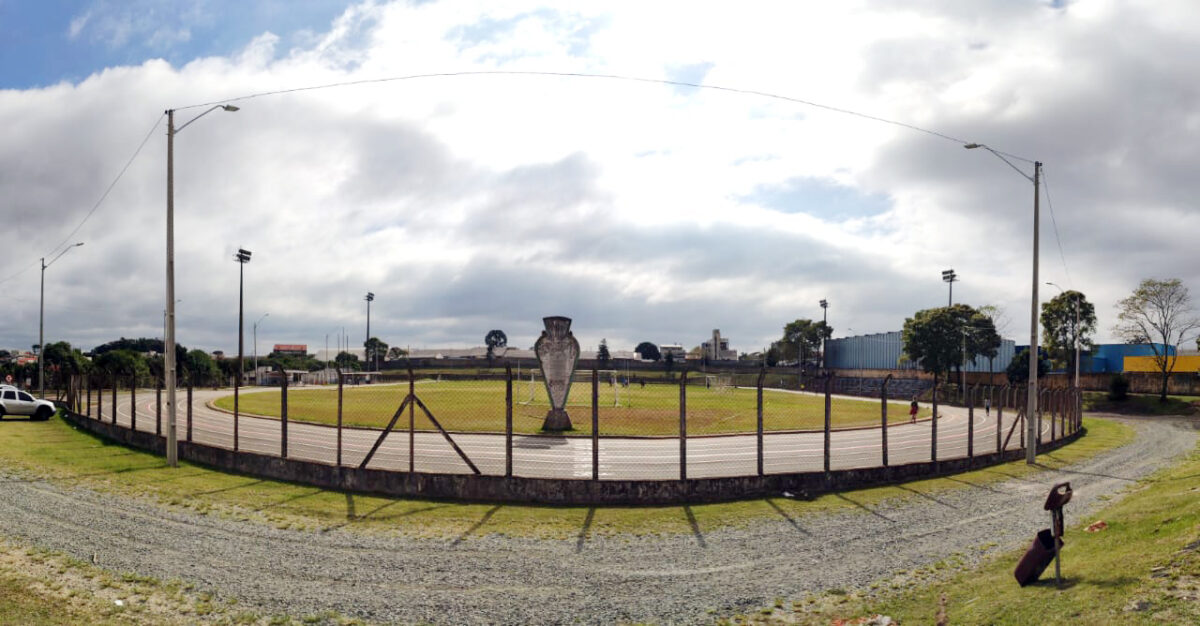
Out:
{"x": 680, "y": 425}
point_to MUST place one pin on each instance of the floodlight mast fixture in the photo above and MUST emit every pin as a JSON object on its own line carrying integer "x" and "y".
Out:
{"x": 949, "y": 277}
{"x": 242, "y": 257}
{"x": 169, "y": 339}
{"x": 824, "y": 326}
{"x": 1075, "y": 300}
{"x": 42, "y": 321}
{"x": 1033, "y": 425}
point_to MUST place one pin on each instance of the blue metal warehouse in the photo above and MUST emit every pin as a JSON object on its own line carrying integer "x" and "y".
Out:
{"x": 884, "y": 351}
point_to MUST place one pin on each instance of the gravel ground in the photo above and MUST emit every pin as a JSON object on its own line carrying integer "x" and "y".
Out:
{"x": 490, "y": 579}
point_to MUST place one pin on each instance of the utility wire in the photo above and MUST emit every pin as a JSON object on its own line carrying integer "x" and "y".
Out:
{"x": 620, "y": 77}
{"x": 1054, "y": 222}
{"x": 95, "y": 206}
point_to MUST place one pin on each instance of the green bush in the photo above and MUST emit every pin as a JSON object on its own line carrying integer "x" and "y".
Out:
{"x": 1118, "y": 388}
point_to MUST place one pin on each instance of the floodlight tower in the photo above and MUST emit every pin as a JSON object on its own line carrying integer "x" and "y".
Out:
{"x": 369, "y": 298}
{"x": 949, "y": 277}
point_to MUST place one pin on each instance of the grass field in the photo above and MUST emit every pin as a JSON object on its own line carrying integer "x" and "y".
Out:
{"x": 478, "y": 406}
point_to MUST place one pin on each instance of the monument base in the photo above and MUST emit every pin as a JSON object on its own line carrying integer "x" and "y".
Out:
{"x": 557, "y": 420}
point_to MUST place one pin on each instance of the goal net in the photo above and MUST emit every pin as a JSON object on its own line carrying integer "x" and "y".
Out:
{"x": 610, "y": 384}
{"x": 718, "y": 382}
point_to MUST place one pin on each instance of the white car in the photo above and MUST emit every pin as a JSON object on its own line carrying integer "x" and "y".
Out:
{"x": 13, "y": 401}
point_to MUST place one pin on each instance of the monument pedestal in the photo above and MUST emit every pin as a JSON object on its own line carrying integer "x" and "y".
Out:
{"x": 557, "y": 420}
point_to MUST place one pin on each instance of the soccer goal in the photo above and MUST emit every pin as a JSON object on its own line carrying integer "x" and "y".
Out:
{"x": 718, "y": 382}
{"x": 581, "y": 388}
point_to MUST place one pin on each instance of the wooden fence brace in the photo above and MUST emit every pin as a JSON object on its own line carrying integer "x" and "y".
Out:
{"x": 338, "y": 368}
{"x": 828, "y": 416}
{"x": 762, "y": 374}
{"x": 595, "y": 424}
{"x": 508, "y": 419}
{"x": 883, "y": 418}
{"x": 683, "y": 425}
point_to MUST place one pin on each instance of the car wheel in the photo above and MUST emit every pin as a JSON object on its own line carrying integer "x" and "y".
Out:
{"x": 43, "y": 414}
{"x": 1, "y": 412}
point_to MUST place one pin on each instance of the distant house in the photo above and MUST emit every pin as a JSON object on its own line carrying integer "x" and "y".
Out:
{"x": 674, "y": 349}
{"x": 291, "y": 349}
{"x": 717, "y": 348}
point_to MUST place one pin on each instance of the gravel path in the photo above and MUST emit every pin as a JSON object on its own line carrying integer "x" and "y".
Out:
{"x": 489, "y": 579}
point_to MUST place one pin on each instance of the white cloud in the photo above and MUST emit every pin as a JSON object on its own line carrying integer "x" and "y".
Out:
{"x": 469, "y": 203}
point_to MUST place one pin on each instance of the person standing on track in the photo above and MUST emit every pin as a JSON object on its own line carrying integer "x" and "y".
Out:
{"x": 912, "y": 411}
{"x": 987, "y": 406}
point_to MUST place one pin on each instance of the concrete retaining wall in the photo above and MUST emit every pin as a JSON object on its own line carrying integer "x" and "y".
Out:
{"x": 544, "y": 490}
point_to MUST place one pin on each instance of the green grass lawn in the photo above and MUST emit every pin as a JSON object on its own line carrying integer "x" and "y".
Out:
{"x": 1144, "y": 568}
{"x": 1140, "y": 404}
{"x": 55, "y": 450}
{"x": 478, "y": 406}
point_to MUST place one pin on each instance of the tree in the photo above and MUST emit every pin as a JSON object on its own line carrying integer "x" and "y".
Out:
{"x": 347, "y": 361}
{"x": 669, "y": 362}
{"x": 648, "y": 351}
{"x": 62, "y": 361}
{"x": 123, "y": 364}
{"x": 396, "y": 353}
{"x": 200, "y": 368}
{"x": 494, "y": 339}
{"x": 945, "y": 338}
{"x": 602, "y": 356}
{"x": 1018, "y": 368}
{"x": 1159, "y": 313}
{"x": 802, "y": 338}
{"x": 375, "y": 349}
{"x": 1061, "y": 328}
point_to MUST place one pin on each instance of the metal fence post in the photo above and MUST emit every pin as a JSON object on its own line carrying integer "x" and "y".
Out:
{"x": 1000, "y": 418}
{"x": 283, "y": 412}
{"x": 883, "y": 418}
{"x": 683, "y": 425}
{"x": 762, "y": 374}
{"x": 412, "y": 421}
{"x": 828, "y": 415}
{"x": 114, "y": 400}
{"x": 87, "y": 385}
{"x": 158, "y": 385}
{"x": 508, "y": 417}
{"x": 971, "y": 420}
{"x": 188, "y": 437}
{"x": 339, "y": 417}
{"x": 933, "y": 423}
{"x": 595, "y": 424}
{"x": 133, "y": 404}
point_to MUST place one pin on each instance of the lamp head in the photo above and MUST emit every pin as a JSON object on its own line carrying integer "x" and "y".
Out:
{"x": 230, "y": 108}
{"x": 972, "y": 146}
{"x": 824, "y": 304}
{"x": 242, "y": 256}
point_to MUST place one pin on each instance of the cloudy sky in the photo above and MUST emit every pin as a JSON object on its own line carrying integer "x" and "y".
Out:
{"x": 644, "y": 210}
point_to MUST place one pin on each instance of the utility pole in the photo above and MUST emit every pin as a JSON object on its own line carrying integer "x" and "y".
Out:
{"x": 370, "y": 298}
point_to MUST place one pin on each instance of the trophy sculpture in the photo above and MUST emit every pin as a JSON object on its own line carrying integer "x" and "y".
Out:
{"x": 557, "y": 352}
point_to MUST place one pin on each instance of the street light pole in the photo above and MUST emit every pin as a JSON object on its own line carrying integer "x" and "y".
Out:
{"x": 169, "y": 340}
{"x": 948, "y": 276}
{"x": 264, "y": 315}
{"x": 42, "y": 322}
{"x": 824, "y": 331}
{"x": 370, "y": 298}
{"x": 1032, "y": 423}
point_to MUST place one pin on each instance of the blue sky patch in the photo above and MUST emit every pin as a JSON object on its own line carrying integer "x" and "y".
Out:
{"x": 820, "y": 198}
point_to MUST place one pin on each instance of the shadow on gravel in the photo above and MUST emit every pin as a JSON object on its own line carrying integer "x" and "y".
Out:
{"x": 787, "y": 517}
{"x": 691, "y": 517}
{"x": 865, "y": 508}
{"x": 483, "y": 520}
{"x": 586, "y": 530}
{"x": 926, "y": 496}
{"x": 971, "y": 484}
